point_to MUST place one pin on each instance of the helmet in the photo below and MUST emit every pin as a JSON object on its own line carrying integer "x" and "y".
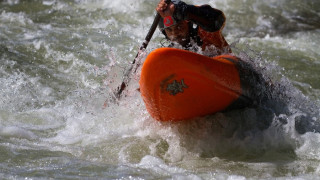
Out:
{"x": 161, "y": 24}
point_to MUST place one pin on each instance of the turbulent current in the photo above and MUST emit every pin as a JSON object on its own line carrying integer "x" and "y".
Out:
{"x": 60, "y": 61}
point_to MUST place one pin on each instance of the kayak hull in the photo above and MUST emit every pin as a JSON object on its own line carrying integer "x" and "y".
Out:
{"x": 178, "y": 85}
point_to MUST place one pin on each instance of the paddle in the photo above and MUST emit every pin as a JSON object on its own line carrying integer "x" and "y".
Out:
{"x": 126, "y": 76}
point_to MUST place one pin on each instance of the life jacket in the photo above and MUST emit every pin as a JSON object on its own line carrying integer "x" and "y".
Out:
{"x": 211, "y": 41}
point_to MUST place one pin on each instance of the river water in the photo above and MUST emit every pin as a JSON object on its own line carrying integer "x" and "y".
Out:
{"x": 59, "y": 61}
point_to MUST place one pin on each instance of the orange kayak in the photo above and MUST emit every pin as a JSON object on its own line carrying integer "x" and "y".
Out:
{"x": 179, "y": 85}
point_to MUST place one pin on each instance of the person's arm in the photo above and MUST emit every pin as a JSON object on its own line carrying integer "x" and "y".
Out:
{"x": 208, "y": 18}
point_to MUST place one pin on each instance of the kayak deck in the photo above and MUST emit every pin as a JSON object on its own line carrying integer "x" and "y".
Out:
{"x": 178, "y": 85}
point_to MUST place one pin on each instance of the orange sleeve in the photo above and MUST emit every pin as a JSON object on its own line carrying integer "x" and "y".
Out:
{"x": 214, "y": 38}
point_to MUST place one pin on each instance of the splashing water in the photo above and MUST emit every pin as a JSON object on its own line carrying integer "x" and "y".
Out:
{"x": 60, "y": 60}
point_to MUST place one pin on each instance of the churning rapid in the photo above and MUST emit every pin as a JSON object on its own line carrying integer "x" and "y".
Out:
{"x": 60, "y": 61}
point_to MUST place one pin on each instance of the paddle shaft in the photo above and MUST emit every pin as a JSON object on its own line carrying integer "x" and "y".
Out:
{"x": 149, "y": 36}
{"x": 126, "y": 77}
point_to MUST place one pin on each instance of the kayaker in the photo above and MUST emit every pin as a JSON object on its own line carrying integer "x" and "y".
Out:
{"x": 190, "y": 25}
